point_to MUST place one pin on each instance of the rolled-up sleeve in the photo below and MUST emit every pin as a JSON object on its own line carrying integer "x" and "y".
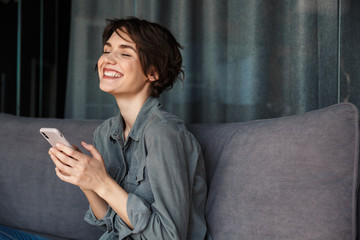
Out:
{"x": 104, "y": 224}
{"x": 139, "y": 213}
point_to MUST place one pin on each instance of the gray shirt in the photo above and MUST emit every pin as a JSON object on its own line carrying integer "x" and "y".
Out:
{"x": 161, "y": 166}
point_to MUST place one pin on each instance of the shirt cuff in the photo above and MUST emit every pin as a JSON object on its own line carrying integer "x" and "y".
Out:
{"x": 104, "y": 224}
{"x": 139, "y": 214}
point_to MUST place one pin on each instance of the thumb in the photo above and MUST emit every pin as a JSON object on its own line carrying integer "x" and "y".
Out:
{"x": 92, "y": 150}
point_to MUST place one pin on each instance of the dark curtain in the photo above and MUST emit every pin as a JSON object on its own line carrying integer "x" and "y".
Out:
{"x": 243, "y": 59}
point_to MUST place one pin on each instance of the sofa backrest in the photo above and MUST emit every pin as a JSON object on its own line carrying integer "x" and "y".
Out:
{"x": 287, "y": 178}
{"x": 32, "y": 197}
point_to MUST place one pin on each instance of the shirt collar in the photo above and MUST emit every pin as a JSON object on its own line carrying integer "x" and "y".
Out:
{"x": 136, "y": 130}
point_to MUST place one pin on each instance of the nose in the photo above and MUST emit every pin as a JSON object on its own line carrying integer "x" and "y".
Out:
{"x": 108, "y": 58}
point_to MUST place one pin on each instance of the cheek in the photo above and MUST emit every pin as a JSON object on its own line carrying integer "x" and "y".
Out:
{"x": 99, "y": 64}
{"x": 100, "y": 61}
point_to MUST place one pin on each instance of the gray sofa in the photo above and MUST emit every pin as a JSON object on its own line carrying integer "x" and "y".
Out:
{"x": 286, "y": 178}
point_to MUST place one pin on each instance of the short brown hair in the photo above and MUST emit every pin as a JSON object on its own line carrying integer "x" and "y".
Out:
{"x": 159, "y": 51}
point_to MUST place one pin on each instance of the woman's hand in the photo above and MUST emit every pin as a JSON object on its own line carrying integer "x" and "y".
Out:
{"x": 84, "y": 171}
{"x": 89, "y": 173}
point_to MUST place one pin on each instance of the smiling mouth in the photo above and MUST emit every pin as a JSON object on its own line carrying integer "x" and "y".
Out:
{"x": 112, "y": 74}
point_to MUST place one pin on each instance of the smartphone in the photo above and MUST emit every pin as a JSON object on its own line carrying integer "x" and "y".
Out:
{"x": 54, "y": 136}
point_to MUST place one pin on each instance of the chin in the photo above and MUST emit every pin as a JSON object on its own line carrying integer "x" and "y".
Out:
{"x": 105, "y": 88}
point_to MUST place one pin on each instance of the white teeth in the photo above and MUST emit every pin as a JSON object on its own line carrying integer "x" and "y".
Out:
{"x": 112, "y": 74}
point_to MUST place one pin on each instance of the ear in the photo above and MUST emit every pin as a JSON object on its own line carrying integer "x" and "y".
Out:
{"x": 153, "y": 75}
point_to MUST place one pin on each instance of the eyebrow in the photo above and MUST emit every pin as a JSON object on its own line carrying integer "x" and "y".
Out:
{"x": 123, "y": 46}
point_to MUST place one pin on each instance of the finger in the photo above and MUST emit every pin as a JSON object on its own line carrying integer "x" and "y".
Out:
{"x": 92, "y": 150}
{"x": 65, "y": 159}
{"x": 54, "y": 158}
{"x": 62, "y": 172}
{"x": 64, "y": 177}
{"x": 65, "y": 169}
{"x": 68, "y": 151}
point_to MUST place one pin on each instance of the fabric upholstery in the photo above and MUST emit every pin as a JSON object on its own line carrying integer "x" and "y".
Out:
{"x": 32, "y": 198}
{"x": 285, "y": 178}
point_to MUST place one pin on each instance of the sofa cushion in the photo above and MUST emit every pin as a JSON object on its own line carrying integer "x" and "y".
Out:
{"x": 287, "y": 178}
{"x": 32, "y": 198}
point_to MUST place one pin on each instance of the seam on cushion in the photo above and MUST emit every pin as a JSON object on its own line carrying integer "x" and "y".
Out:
{"x": 356, "y": 172}
{"x": 355, "y": 189}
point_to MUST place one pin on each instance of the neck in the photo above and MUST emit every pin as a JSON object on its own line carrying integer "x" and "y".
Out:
{"x": 130, "y": 109}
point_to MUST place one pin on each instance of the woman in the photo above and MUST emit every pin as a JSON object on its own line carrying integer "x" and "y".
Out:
{"x": 145, "y": 178}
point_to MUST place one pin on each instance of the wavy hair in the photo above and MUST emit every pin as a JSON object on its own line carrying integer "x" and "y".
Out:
{"x": 159, "y": 51}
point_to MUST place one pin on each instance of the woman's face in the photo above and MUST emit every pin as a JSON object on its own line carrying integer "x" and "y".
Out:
{"x": 119, "y": 68}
